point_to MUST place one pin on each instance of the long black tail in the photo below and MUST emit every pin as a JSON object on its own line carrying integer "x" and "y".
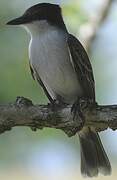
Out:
{"x": 93, "y": 156}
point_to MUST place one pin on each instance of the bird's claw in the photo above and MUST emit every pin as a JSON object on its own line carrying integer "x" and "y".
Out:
{"x": 77, "y": 111}
{"x": 56, "y": 105}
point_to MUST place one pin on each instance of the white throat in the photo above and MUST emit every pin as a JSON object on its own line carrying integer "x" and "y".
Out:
{"x": 38, "y": 27}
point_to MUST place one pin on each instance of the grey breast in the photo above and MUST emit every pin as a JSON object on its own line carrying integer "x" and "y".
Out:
{"x": 50, "y": 56}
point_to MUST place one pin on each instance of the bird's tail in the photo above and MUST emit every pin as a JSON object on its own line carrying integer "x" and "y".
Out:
{"x": 93, "y": 156}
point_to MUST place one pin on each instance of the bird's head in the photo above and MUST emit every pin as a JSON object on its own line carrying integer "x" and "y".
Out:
{"x": 39, "y": 12}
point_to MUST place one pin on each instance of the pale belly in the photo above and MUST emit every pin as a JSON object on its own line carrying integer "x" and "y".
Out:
{"x": 52, "y": 62}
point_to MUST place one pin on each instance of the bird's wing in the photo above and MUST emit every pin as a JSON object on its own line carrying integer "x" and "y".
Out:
{"x": 82, "y": 66}
{"x": 36, "y": 76}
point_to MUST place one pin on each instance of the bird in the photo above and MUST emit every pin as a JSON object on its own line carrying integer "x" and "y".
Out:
{"x": 60, "y": 64}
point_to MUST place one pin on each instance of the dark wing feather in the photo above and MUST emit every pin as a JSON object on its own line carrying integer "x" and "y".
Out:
{"x": 32, "y": 72}
{"x": 36, "y": 76}
{"x": 82, "y": 67}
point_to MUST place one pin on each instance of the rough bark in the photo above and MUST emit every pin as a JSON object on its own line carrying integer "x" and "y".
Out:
{"x": 24, "y": 113}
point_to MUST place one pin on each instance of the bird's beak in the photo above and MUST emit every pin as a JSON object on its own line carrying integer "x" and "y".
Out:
{"x": 18, "y": 21}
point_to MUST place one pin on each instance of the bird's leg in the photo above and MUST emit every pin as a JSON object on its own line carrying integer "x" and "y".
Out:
{"x": 77, "y": 111}
{"x": 78, "y": 107}
{"x": 86, "y": 102}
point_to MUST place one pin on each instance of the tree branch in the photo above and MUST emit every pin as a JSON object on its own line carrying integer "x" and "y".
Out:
{"x": 24, "y": 113}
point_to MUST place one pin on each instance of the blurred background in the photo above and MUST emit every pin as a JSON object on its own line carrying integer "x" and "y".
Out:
{"x": 50, "y": 154}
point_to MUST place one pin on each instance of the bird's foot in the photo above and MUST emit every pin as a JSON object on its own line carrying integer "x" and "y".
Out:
{"x": 87, "y": 103}
{"x": 79, "y": 107}
{"x": 77, "y": 111}
{"x": 55, "y": 105}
